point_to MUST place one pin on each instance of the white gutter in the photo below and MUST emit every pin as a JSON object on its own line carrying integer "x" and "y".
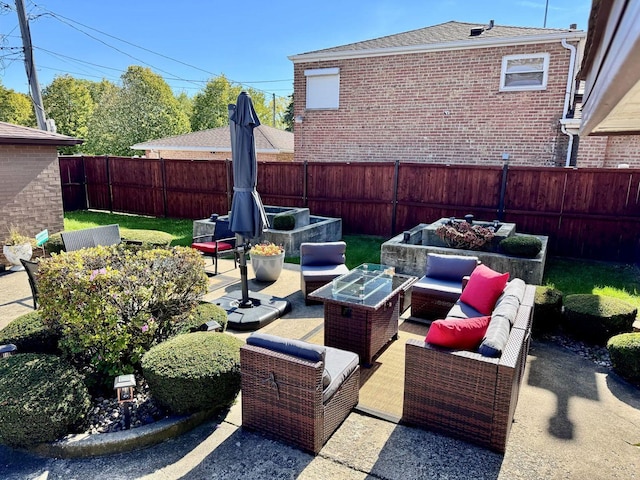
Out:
{"x": 173, "y": 148}
{"x": 567, "y": 98}
{"x": 436, "y": 47}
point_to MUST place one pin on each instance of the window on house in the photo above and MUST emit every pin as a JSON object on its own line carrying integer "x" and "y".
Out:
{"x": 524, "y": 72}
{"x": 323, "y": 88}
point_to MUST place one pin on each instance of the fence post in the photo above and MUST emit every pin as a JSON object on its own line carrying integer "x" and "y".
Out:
{"x": 228, "y": 166}
{"x": 109, "y": 186}
{"x": 305, "y": 200}
{"x": 503, "y": 190}
{"x": 165, "y": 202}
{"x": 394, "y": 213}
{"x": 86, "y": 189}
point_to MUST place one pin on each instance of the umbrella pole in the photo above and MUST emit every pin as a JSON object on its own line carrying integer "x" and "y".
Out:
{"x": 245, "y": 302}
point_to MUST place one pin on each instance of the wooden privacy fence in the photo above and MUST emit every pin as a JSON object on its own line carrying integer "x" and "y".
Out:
{"x": 591, "y": 213}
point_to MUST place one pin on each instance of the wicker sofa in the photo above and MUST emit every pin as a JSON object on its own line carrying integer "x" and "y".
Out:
{"x": 465, "y": 394}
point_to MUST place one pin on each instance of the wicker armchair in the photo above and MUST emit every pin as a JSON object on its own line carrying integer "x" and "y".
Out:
{"x": 433, "y": 295}
{"x": 319, "y": 264}
{"x": 464, "y": 394}
{"x": 287, "y": 394}
{"x": 32, "y": 274}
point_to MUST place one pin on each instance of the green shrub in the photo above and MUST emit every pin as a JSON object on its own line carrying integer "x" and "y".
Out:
{"x": 111, "y": 304}
{"x": 526, "y": 246}
{"x": 194, "y": 372}
{"x": 41, "y": 399}
{"x": 54, "y": 244}
{"x": 203, "y": 313}
{"x": 595, "y": 318}
{"x": 547, "y": 312}
{"x": 30, "y": 334}
{"x": 284, "y": 222}
{"x": 624, "y": 350}
{"x": 152, "y": 237}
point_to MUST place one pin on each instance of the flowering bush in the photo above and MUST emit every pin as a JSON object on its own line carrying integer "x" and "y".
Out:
{"x": 266, "y": 248}
{"x": 464, "y": 235}
{"x": 111, "y": 304}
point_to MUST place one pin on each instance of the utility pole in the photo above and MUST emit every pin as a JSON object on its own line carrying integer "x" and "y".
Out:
{"x": 29, "y": 65}
{"x": 274, "y": 110}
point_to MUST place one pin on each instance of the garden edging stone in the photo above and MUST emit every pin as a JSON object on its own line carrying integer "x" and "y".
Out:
{"x": 85, "y": 445}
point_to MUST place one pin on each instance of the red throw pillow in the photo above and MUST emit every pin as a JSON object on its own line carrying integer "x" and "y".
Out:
{"x": 484, "y": 288}
{"x": 462, "y": 334}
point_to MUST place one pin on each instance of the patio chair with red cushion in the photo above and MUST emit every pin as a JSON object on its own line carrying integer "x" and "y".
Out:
{"x": 221, "y": 242}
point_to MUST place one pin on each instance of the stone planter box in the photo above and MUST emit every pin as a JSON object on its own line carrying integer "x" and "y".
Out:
{"x": 411, "y": 258}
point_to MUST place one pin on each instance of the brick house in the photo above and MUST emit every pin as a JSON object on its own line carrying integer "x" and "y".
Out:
{"x": 215, "y": 144}
{"x": 30, "y": 192}
{"x": 449, "y": 93}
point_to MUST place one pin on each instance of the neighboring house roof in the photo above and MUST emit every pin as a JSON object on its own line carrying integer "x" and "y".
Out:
{"x": 11, "y": 134}
{"x": 610, "y": 68}
{"x": 445, "y": 36}
{"x": 268, "y": 140}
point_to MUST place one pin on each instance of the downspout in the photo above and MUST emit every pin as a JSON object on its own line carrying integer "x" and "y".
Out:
{"x": 567, "y": 97}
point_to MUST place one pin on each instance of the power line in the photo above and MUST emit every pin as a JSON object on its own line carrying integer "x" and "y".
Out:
{"x": 69, "y": 22}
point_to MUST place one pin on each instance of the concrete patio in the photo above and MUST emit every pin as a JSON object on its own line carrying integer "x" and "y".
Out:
{"x": 574, "y": 420}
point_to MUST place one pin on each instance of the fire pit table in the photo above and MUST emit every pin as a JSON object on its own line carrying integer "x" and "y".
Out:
{"x": 361, "y": 309}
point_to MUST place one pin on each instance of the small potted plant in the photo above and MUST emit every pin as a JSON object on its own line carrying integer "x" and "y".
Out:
{"x": 267, "y": 260}
{"x": 17, "y": 247}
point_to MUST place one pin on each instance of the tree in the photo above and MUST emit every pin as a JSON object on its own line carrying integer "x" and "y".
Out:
{"x": 16, "y": 108}
{"x": 68, "y": 102}
{"x": 287, "y": 118}
{"x": 144, "y": 108}
{"x": 211, "y": 106}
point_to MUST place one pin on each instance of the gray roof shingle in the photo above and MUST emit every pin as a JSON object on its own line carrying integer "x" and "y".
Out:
{"x": 268, "y": 139}
{"x": 17, "y": 134}
{"x": 443, "y": 33}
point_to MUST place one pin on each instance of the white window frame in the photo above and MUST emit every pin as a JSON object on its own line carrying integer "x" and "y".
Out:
{"x": 516, "y": 88}
{"x": 323, "y": 89}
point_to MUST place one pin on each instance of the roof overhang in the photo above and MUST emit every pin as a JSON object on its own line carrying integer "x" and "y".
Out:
{"x": 173, "y": 148}
{"x": 437, "y": 47}
{"x": 611, "y": 68}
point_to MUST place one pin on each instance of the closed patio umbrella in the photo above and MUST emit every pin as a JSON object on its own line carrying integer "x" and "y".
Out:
{"x": 247, "y": 218}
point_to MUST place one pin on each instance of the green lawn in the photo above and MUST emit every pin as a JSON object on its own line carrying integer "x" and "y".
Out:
{"x": 567, "y": 275}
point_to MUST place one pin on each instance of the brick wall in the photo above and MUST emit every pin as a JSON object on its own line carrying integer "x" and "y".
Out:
{"x": 190, "y": 155}
{"x": 601, "y": 151}
{"x": 30, "y": 193}
{"x": 442, "y": 107}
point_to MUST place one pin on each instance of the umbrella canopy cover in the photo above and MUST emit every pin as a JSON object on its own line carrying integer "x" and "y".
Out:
{"x": 247, "y": 217}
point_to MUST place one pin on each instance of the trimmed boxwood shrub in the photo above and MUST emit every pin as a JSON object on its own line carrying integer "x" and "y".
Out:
{"x": 30, "y": 334}
{"x": 547, "y": 313}
{"x": 526, "y": 246}
{"x": 624, "y": 351}
{"x": 596, "y": 318}
{"x": 284, "y": 222}
{"x": 194, "y": 372}
{"x": 54, "y": 244}
{"x": 152, "y": 237}
{"x": 42, "y": 398}
{"x": 203, "y": 313}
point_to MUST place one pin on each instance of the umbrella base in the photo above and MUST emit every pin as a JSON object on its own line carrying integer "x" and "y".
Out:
{"x": 263, "y": 310}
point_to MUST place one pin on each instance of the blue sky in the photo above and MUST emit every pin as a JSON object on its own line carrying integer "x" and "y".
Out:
{"x": 190, "y": 41}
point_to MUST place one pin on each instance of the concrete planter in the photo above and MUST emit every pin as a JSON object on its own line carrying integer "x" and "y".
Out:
{"x": 15, "y": 253}
{"x": 267, "y": 268}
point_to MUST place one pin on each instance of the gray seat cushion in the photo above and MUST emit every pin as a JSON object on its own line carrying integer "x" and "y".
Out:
{"x": 450, "y": 267}
{"x": 462, "y": 310}
{"x": 339, "y": 364}
{"x": 448, "y": 289}
{"x": 322, "y": 273}
{"x": 288, "y": 346}
{"x": 325, "y": 253}
{"x": 502, "y": 318}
